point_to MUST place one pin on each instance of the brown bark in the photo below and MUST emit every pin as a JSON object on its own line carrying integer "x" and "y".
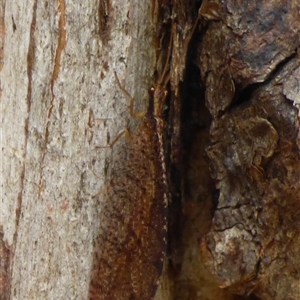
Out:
{"x": 232, "y": 166}
{"x": 250, "y": 68}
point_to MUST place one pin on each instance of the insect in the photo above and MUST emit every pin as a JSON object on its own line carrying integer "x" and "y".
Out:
{"x": 130, "y": 249}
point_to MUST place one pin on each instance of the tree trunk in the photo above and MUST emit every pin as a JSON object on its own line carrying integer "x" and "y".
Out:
{"x": 80, "y": 197}
{"x": 250, "y": 67}
{"x": 61, "y": 108}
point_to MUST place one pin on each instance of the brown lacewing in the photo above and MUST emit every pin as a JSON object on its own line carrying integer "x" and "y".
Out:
{"x": 131, "y": 246}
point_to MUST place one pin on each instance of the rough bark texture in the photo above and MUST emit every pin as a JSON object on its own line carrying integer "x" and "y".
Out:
{"x": 250, "y": 67}
{"x": 62, "y": 109}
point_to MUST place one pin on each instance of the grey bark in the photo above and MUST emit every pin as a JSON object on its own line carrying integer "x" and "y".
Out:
{"x": 60, "y": 108}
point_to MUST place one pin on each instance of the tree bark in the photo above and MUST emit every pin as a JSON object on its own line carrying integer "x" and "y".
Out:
{"x": 61, "y": 108}
{"x": 250, "y": 66}
{"x": 233, "y": 167}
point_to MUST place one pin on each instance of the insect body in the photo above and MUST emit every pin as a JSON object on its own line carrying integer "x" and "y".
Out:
{"x": 131, "y": 246}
